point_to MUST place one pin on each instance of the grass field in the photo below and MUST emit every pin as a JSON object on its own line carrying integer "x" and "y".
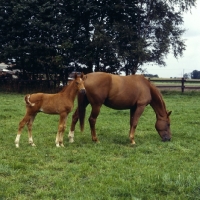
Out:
{"x": 111, "y": 169}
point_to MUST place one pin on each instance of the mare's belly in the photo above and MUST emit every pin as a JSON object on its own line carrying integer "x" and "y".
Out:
{"x": 119, "y": 104}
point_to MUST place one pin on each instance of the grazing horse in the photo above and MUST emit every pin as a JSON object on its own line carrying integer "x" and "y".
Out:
{"x": 60, "y": 103}
{"x": 132, "y": 92}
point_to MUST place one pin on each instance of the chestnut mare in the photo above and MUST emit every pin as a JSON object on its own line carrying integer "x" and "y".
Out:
{"x": 132, "y": 92}
{"x": 60, "y": 103}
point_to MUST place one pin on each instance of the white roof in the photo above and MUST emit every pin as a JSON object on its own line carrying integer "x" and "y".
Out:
{"x": 3, "y": 66}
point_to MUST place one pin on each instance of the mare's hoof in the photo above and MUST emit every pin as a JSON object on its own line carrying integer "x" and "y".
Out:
{"x": 95, "y": 140}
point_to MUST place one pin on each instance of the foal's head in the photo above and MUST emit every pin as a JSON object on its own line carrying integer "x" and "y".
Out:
{"x": 163, "y": 128}
{"x": 79, "y": 80}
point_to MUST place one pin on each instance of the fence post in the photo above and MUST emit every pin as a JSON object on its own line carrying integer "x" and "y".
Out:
{"x": 182, "y": 84}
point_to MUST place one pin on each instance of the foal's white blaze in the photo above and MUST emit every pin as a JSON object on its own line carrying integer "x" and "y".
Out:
{"x": 71, "y": 136}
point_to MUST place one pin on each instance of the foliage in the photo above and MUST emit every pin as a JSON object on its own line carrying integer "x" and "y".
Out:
{"x": 195, "y": 74}
{"x": 111, "y": 169}
{"x": 109, "y": 35}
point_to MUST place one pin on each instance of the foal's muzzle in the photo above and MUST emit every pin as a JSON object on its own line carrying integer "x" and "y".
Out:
{"x": 82, "y": 91}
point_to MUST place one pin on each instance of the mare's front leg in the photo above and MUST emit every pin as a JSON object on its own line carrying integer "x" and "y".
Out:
{"x": 61, "y": 129}
{"x": 92, "y": 120}
{"x": 135, "y": 114}
{"x": 73, "y": 124}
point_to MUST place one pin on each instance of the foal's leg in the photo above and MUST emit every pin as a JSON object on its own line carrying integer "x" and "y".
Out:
{"x": 29, "y": 125}
{"x": 92, "y": 120}
{"x": 61, "y": 129}
{"x": 73, "y": 124}
{"x": 22, "y": 123}
{"x": 135, "y": 114}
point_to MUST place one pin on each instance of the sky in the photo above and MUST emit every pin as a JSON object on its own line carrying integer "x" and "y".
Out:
{"x": 191, "y": 56}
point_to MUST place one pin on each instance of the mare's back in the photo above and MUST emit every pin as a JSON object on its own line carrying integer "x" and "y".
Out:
{"x": 131, "y": 84}
{"x": 98, "y": 83}
{"x": 117, "y": 91}
{"x": 109, "y": 83}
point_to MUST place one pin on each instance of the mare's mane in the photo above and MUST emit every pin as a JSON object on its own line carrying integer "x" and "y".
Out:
{"x": 157, "y": 99}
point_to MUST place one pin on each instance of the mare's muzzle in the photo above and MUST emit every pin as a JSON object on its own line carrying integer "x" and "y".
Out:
{"x": 166, "y": 139}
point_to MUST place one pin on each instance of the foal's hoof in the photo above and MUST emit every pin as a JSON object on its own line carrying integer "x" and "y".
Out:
{"x": 17, "y": 145}
{"x": 133, "y": 143}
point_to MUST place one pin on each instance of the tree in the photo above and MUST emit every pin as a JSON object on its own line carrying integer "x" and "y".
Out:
{"x": 34, "y": 33}
{"x": 195, "y": 74}
{"x": 187, "y": 75}
{"x": 127, "y": 34}
{"x": 113, "y": 36}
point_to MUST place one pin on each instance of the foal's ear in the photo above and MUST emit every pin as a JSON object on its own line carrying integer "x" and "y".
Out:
{"x": 169, "y": 113}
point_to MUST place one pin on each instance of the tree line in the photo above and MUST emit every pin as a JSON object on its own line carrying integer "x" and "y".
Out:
{"x": 195, "y": 74}
{"x": 58, "y": 36}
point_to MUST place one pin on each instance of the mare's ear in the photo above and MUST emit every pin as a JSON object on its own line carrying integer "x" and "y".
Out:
{"x": 169, "y": 113}
{"x": 84, "y": 77}
{"x": 75, "y": 76}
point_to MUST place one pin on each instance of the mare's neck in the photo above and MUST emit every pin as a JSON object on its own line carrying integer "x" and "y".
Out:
{"x": 158, "y": 104}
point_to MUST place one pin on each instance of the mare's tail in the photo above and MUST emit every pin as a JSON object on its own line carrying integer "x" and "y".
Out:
{"x": 82, "y": 104}
{"x": 27, "y": 100}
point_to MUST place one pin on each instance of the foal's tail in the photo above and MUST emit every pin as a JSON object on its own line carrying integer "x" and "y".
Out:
{"x": 82, "y": 104}
{"x": 27, "y": 100}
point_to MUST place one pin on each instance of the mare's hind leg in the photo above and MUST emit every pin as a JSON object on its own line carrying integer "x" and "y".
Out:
{"x": 73, "y": 124}
{"x": 61, "y": 130}
{"x": 22, "y": 123}
{"x": 135, "y": 114}
{"x": 92, "y": 120}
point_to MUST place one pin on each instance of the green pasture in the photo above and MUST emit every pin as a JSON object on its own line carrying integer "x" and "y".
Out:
{"x": 111, "y": 169}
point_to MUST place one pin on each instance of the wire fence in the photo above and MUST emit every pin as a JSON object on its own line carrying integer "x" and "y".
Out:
{"x": 52, "y": 86}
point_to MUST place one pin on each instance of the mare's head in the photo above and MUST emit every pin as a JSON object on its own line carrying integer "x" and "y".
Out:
{"x": 79, "y": 80}
{"x": 163, "y": 128}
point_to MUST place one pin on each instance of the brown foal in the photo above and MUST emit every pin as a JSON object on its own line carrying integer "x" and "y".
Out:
{"x": 60, "y": 103}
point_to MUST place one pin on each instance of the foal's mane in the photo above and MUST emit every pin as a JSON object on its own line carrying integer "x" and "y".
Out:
{"x": 63, "y": 89}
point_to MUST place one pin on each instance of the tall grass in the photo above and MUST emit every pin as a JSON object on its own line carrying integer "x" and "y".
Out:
{"x": 111, "y": 169}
